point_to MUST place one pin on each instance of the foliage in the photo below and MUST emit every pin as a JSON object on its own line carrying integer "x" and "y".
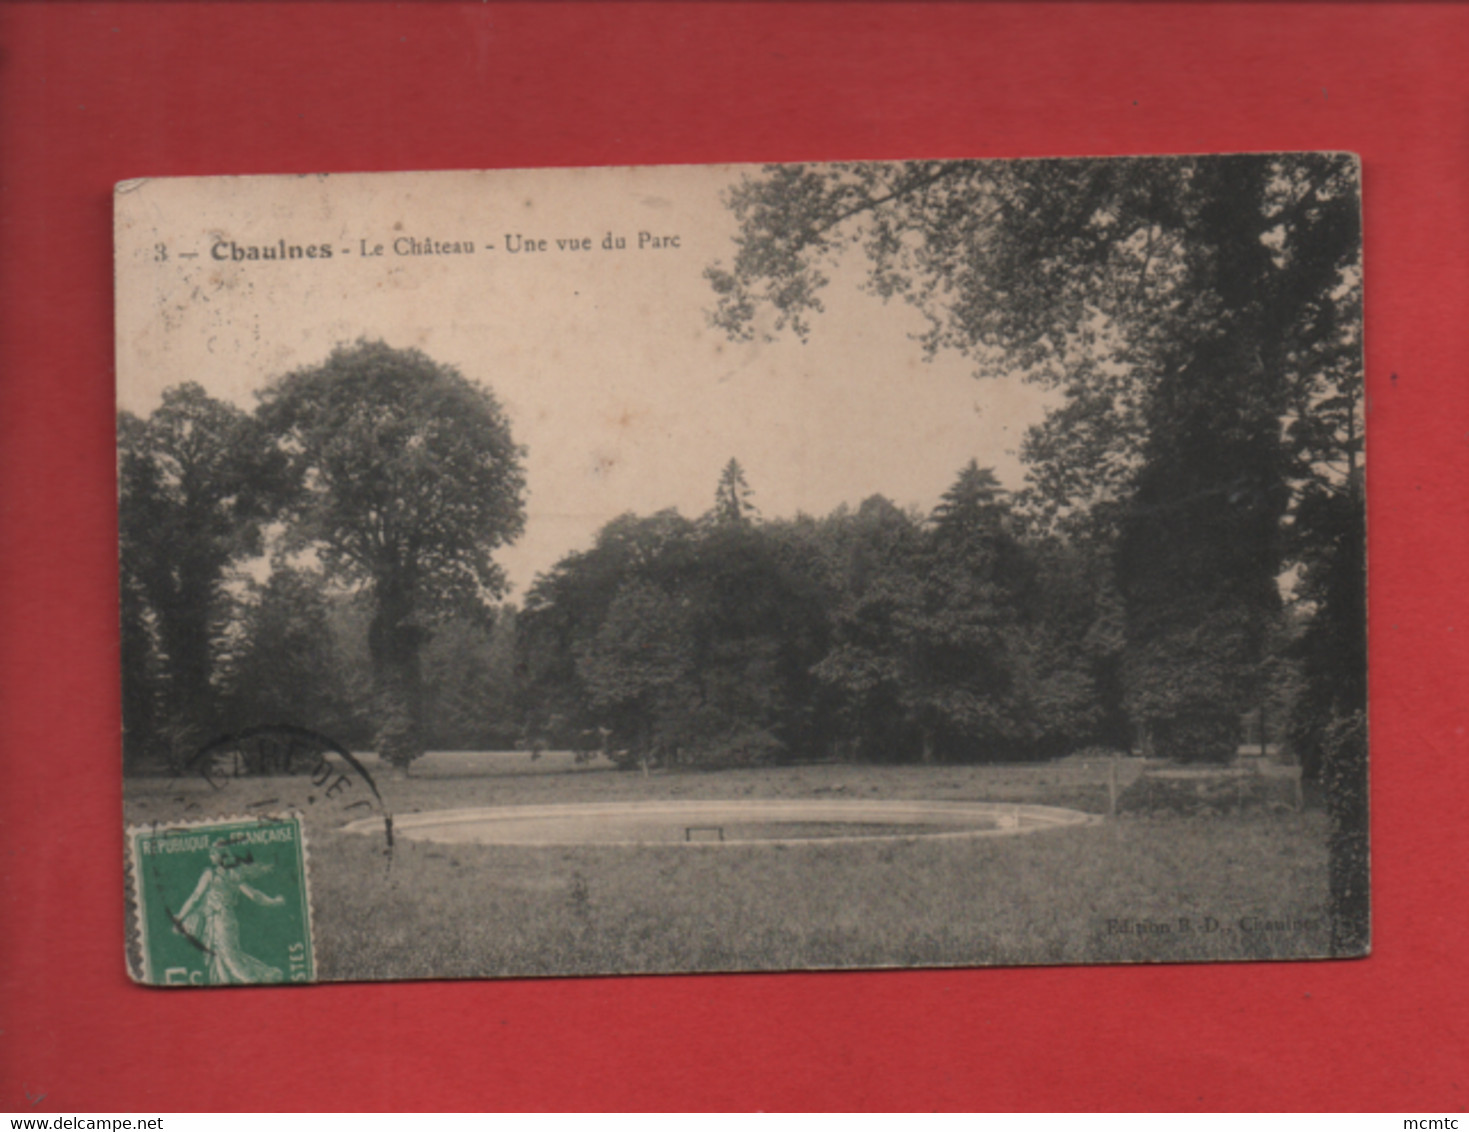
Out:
{"x": 674, "y": 642}
{"x": 1332, "y": 647}
{"x": 1198, "y": 317}
{"x": 196, "y": 481}
{"x": 143, "y": 707}
{"x": 1344, "y": 772}
{"x": 877, "y": 634}
{"x": 639, "y": 670}
{"x": 564, "y": 609}
{"x": 732, "y": 497}
{"x": 282, "y": 669}
{"x": 966, "y": 634}
{"x": 875, "y": 596}
{"x": 1328, "y": 723}
{"x": 958, "y": 638}
{"x": 408, "y": 480}
{"x": 469, "y": 678}
{"x": 407, "y": 470}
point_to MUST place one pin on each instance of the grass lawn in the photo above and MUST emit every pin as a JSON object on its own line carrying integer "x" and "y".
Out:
{"x": 1249, "y": 885}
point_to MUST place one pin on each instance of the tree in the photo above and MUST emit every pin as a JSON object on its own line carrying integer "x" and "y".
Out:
{"x": 408, "y": 482}
{"x": 282, "y": 668}
{"x": 143, "y": 705}
{"x": 1072, "y": 647}
{"x": 971, "y": 579}
{"x": 935, "y": 653}
{"x": 469, "y": 670}
{"x": 349, "y": 618}
{"x": 197, "y": 479}
{"x": 1329, "y": 723}
{"x": 924, "y": 627}
{"x": 1326, "y": 536}
{"x": 565, "y": 608}
{"x": 758, "y": 630}
{"x": 679, "y": 642}
{"x": 639, "y": 670}
{"x": 732, "y": 496}
{"x": 1197, "y": 562}
{"x": 876, "y": 595}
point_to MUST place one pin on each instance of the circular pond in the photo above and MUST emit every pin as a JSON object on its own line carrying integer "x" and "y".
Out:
{"x": 725, "y": 822}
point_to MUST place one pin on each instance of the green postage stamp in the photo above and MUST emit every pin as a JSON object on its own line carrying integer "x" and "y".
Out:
{"x": 222, "y": 902}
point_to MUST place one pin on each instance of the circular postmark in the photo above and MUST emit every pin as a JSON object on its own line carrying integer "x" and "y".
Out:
{"x": 218, "y": 873}
{"x": 282, "y": 766}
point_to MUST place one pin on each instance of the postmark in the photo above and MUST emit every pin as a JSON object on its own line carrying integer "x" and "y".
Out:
{"x": 270, "y": 768}
{"x": 223, "y": 902}
{"x": 322, "y": 770}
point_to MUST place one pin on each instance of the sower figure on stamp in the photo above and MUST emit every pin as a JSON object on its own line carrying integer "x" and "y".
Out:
{"x": 208, "y": 917}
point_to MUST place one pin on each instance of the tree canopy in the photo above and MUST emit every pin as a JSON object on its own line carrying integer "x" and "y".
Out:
{"x": 881, "y": 634}
{"x": 1198, "y": 317}
{"x": 1119, "y": 282}
{"x": 197, "y": 479}
{"x": 407, "y": 480}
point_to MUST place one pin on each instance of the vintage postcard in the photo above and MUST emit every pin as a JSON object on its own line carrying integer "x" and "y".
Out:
{"x": 737, "y": 568}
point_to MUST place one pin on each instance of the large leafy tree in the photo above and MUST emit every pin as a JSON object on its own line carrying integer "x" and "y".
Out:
{"x": 972, "y": 578}
{"x": 1329, "y": 722}
{"x": 639, "y": 668}
{"x": 197, "y": 479}
{"x": 759, "y": 629}
{"x": 469, "y": 671}
{"x": 943, "y": 643}
{"x": 565, "y": 608}
{"x": 409, "y": 480}
{"x": 875, "y": 598}
{"x": 676, "y": 641}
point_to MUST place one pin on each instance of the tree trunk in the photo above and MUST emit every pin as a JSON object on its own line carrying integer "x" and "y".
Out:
{"x": 1348, "y": 866}
{"x": 184, "y": 625}
{"x": 394, "y": 644}
{"x": 139, "y": 701}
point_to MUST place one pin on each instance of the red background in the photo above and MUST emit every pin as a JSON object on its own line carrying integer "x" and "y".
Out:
{"x": 90, "y": 94}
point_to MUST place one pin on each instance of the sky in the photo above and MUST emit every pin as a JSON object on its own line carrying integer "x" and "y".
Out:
{"x": 623, "y": 396}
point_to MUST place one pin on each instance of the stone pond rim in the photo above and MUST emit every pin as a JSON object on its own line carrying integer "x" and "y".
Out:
{"x": 731, "y": 822}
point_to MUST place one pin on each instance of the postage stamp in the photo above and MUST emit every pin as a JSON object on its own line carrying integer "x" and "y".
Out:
{"x": 223, "y": 902}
